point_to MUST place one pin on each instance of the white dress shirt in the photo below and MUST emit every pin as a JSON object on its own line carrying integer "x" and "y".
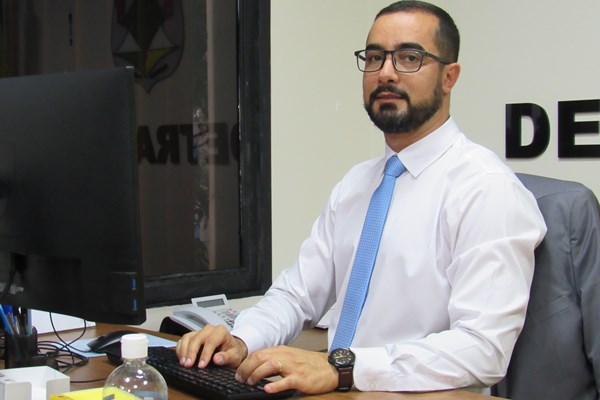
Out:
{"x": 450, "y": 286}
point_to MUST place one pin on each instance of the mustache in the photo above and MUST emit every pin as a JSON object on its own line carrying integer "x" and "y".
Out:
{"x": 388, "y": 89}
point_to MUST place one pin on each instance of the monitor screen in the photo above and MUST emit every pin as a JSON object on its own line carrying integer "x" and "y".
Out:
{"x": 69, "y": 216}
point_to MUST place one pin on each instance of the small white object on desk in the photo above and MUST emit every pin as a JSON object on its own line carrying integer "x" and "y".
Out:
{"x": 32, "y": 383}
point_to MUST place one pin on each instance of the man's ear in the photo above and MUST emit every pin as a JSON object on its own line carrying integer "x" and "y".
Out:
{"x": 450, "y": 75}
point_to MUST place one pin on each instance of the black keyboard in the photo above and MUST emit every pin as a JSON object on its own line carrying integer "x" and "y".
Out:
{"x": 211, "y": 382}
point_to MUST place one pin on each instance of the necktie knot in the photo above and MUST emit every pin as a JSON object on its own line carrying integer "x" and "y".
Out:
{"x": 394, "y": 167}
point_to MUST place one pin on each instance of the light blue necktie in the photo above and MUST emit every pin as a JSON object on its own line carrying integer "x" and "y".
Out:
{"x": 366, "y": 254}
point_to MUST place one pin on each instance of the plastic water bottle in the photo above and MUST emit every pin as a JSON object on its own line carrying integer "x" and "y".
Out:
{"x": 134, "y": 376}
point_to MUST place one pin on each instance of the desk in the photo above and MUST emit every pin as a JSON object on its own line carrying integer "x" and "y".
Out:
{"x": 99, "y": 368}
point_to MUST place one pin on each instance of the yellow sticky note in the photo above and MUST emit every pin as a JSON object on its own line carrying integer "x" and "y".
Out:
{"x": 89, "y": 394}
{"x": 93, "y": 394}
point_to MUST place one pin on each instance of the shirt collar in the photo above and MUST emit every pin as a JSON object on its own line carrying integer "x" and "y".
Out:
{"x": 419, "y": 155}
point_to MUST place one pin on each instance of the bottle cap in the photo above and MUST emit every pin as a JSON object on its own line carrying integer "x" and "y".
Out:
{"x": 134, "y": 345}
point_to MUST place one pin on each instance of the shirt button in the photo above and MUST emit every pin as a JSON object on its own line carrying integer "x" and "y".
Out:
{"x": 372, "y": 385}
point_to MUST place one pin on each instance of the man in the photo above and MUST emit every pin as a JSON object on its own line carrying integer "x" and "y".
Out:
{"x": 449, "y": 288}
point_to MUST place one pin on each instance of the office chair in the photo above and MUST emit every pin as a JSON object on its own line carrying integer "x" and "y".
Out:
{"x": 557, "y": 355}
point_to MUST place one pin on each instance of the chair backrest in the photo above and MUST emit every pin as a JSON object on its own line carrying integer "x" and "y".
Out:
{"x": 557, "y": 355}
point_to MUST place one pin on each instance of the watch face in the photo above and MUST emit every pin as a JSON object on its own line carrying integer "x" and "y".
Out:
{"x": 342, "y": 357}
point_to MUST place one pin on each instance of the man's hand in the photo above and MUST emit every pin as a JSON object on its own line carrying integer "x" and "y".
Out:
{"x": 214, "y": 343}
{"x": 306, "y": 371}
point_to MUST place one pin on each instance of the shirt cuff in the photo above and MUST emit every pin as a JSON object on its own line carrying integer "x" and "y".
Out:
{"x": 367, "y": 371}
{"x": 250, "y": 336}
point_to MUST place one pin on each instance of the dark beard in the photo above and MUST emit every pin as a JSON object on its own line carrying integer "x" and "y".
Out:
{"x": 390, "y": 120}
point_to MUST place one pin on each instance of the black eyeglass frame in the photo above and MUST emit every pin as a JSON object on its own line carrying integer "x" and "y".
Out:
{"x": 423, "y": 54}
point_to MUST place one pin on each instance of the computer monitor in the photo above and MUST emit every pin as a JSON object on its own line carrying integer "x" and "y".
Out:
{"x": 69, "y": 216}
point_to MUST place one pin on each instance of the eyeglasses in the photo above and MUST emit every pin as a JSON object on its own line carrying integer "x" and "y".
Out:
{"x": 404, "y": 60}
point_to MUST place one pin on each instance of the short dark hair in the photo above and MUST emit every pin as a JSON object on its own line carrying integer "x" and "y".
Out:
{"x": 447, "y": 36}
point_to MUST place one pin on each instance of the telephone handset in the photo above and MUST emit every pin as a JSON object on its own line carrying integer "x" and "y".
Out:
{"x": 212, "y": 310}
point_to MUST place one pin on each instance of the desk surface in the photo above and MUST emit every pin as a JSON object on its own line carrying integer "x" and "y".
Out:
{"x": 97, "y": 370}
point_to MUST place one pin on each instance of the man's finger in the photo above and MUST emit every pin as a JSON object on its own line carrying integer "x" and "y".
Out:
{"x": 266, "y": 369}
{"x": 279, "y": 385}
{"x": 214, "y": 337}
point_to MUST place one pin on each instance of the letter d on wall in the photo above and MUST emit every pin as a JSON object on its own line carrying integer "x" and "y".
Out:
{"x": 541, "y": 130}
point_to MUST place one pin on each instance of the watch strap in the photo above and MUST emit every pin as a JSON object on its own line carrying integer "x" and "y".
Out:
{"x": 345, "y": 381}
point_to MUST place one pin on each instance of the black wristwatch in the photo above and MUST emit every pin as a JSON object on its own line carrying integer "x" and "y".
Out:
{"x": 343, "y": 361}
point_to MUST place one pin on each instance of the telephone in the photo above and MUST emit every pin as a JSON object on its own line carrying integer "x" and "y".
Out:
{"x": 214, "y": 310}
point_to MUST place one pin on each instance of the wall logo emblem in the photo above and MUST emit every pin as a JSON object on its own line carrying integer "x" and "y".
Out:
{"x": 148, "y": 35}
